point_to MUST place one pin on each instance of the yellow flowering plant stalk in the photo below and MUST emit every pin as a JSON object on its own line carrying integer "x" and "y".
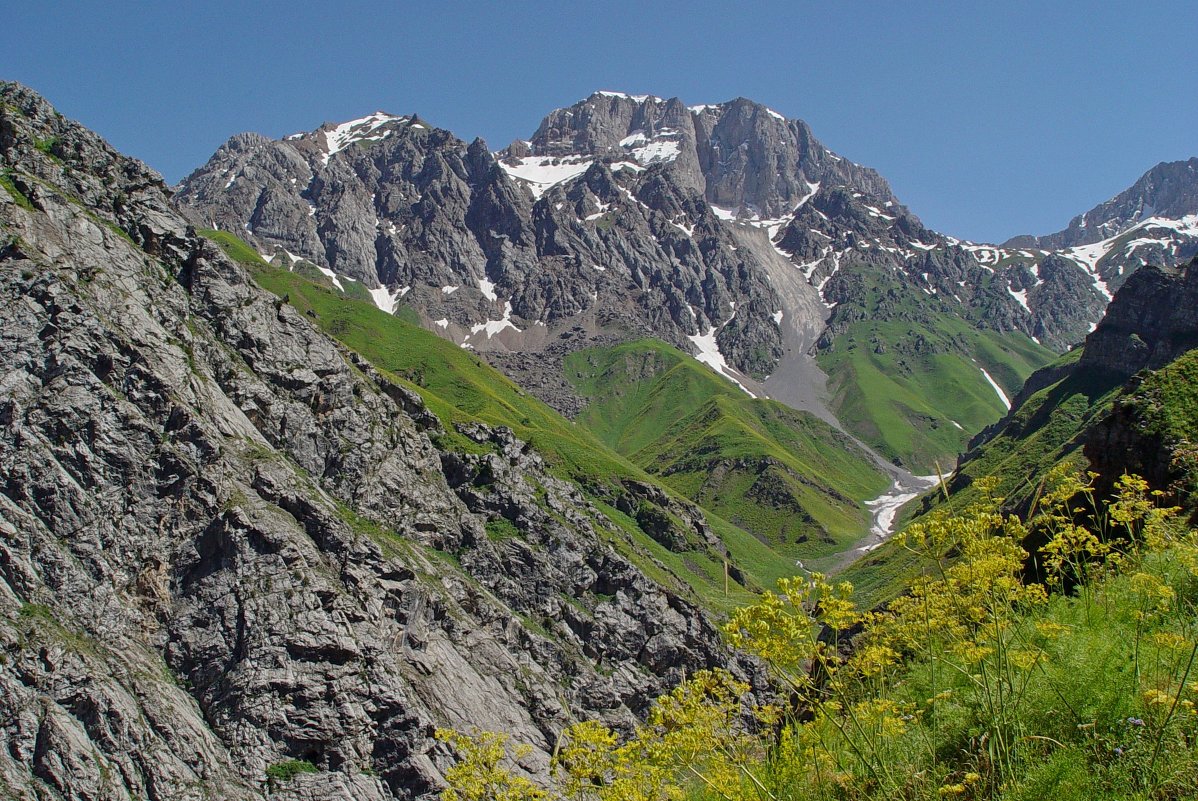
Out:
{"x": 693, "y": 737}
{"x": 479, "y": 773}
{"x": 965, "y": 687}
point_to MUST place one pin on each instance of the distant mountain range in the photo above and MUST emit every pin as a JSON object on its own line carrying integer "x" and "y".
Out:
{"x": 725, "y": 230}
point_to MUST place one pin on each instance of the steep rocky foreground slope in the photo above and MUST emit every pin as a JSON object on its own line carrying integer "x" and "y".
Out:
{"x": 227, "y": 542}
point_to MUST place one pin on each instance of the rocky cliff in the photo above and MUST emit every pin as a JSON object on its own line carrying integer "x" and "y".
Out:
{"x": 1152, "y": 321}
{"x": 1154, "y": 221}
{"x": 233, "y": 562}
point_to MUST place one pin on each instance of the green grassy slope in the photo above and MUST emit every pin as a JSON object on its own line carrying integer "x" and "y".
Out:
{"x": 460, "y": 387}
{"x": 908, "y": 381}
{"x": 1048, "y": 428}
{"x": 790, "y": 479}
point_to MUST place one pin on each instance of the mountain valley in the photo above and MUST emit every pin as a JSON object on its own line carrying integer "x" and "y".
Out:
{"x": 370, "y": 430}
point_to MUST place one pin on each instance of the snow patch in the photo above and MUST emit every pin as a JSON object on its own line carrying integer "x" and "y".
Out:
{"x": 542, "y": 172}
{"x": 1002, "y": 396}
{"x": 384, "y": 299}
{"x": 657, "y": 151}
{"x": 603, "y": 208}
{"x": 332, "y": 276}
{"x": 493, "y": 327}
{"x": 488, "y": 289}
{"x": 622, "y": 95}
{"x": 449, "y": 290}
{"x": 630, "y": 166}
{"x": 709, "y": 354}
{"x": 345, "y": 134}
{"x": 684, "y": 226}
{"x": 820, "y": 288}
{"x": 1088, "y": 256}
{"x": 885, "y": 507}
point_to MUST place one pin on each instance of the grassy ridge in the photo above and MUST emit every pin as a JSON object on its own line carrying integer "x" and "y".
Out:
{"x": 790, "y": 479}
{"x": 920, "y": 406}
{"x": 1044, "y": 431}
{"x": 1049, "y": 429}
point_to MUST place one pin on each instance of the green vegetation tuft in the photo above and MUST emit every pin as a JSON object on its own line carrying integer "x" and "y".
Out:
{"x": 39, "y": 612}
{"x": 17, "y": 195}
{"x": 236, "y": 249}
{"x": 48, "y": 146}
{"x": 288, "y": 769}
{"x": 501, "y": 529}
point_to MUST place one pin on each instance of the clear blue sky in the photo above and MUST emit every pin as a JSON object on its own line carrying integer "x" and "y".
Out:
{"x": 988, "y": 118}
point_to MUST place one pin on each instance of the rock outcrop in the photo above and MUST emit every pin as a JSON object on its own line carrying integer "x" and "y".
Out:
{"x": 1152, "y": 320}
{"x": 1124, "y": 403}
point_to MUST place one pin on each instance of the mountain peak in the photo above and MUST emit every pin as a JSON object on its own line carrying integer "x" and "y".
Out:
{"x": 1168, "y": 190}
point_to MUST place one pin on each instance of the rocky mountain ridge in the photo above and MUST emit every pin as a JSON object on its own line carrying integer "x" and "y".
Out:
{"x": 1167, "y": 191}
{"x": 234, "y": 561}
{"x": 749, "y": 163}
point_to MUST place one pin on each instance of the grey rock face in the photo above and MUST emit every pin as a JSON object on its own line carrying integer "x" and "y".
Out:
{"x": 442, "y": 225}
{"x": 226, "y": 542}
{"x": 740, "y": 155}
{"x": 622, "y": 216}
